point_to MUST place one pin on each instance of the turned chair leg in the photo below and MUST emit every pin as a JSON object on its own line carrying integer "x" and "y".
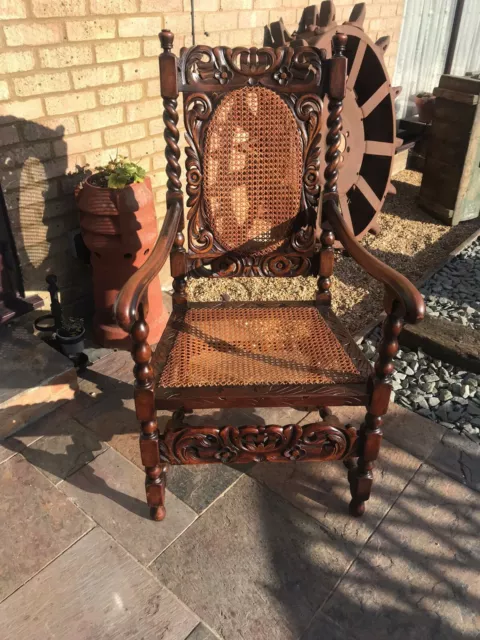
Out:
{"x": 360, "y": 473}
{"x": 156, "y": 498}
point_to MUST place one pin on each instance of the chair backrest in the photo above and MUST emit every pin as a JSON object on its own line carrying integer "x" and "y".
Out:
{"x": 253, "y": 120}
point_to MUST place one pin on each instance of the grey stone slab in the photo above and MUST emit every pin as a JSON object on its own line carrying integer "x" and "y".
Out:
{"x": 202, "y": 633}
{"x": 418, "y": 577}
{"x": 459, "y": 458}
{"x": 253, "y": 566}
{"x": 18, "y": 346}
{"x": 323, "y": 628}
{"x": 112, "y": 491}
{"x": 94, "y": 591}
{"x": 321, "y": 490}
{"x": 63, "y": 448}
{"x": 37, "y": 523}
{"x": 401, "y": 427}
{"x": 199, "y": 485}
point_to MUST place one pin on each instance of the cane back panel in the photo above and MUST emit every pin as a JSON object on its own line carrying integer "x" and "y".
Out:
{"x": 253, "y": 119}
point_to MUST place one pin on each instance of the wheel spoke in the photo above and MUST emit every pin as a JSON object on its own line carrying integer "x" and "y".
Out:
{"x": 357, "y": 63}
{"x": 375, "y": 148}
{"x": 346, "y": 210}
{"x": 375, "y": 99}
{"x": 368, "y": 192}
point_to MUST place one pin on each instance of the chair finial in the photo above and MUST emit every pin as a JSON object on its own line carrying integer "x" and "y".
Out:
{"x": 339, "y": 44}
{"x": 166, "y": 39}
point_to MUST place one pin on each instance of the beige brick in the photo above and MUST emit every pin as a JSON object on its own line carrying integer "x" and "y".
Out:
{"x": 124, "y": 134}
{"x": 15, "y": 61}
{"x": 102, "y": 156}
{"x": 227, "y": 5}
{"x": 99, "y": 119}
{"x": 238, "y": 38}
{"x": 111, "y": 7}
{"x": 221, "y": 21}
{"x": 159, "y": 161}
{"x": 49, "y": 128}
{"x": 70, "y": 103}
{"x": 41, "y": 83}
{"x": 388, "y": 10}
{"x": 57, "y": 8}
{"x": 99, "y": 29}
{"x": 4, "y": 92}
{"x": 168, "y": 6}
{"x": 8, "y": 135}
{"x": 265, "y": 4}
{"x": 156, "y": 127}
{"x": 12, "y": 9}
{"x": 27, "y": 109}
{"x": 95, "y": 76}
{"x": 247, "y": 19}
{"x": 289, "y": 16}
{"x": 19, "y": 154}
{"x": 114, "y": 51}
{"x": 138, "y": 27}
{"x": 179, "y": 22}
{"x": 158, "y": 178}
{"x": 202, "y": 5}
{"x": 140, "y": 70}
{"x": 295, "y": 3}
{"x": 147, "y": 147}
{"x": 68, "y": 56}
{"x": 144, "y": 110}
{"x": 153, "y": 88}
{"x": 19, "y": 35}
{"x": 122, "y": 93}
{"x": 78, "y": 144}
{"x": 151, "y": 47}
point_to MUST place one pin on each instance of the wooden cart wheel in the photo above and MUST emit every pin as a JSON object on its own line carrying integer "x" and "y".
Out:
{"x": 369, "y": 122}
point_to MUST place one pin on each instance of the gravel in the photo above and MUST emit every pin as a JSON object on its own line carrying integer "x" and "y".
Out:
{"x": 453, "y": 293}
{"x": 410, "y": 241}
{"x": 434, "y": 389}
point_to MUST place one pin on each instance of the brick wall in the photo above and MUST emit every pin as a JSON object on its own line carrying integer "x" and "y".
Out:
{"x": 79, "y": 82}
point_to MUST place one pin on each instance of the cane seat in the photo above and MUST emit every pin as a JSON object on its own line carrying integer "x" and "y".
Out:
{"x": 253, "y": 344}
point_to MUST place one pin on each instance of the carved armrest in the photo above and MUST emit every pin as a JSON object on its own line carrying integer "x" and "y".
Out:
{"x": 398, "y": 287}
{"x": 134, "y": 290}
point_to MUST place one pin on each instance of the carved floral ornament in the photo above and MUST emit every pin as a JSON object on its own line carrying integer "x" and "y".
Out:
{"x": 272, "y": 443}
{"x": 205, "y": 66}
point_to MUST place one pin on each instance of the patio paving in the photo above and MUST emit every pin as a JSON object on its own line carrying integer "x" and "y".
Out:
{"x": 258, "y": 552}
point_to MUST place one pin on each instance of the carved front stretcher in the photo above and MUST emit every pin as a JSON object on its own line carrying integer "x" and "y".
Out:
{"x": 325, "y": 440}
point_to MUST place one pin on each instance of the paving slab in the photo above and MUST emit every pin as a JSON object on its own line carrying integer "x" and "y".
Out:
{"x": 323, "y": 628}
{"x": 253, "y": 566}
{"x": 459, "y": 458}
{"x": 63, "y": 448}
{"x": 202, "y": 633}
{"x": 321, "y": 490}
{"x": 29, "y": 392}
{"x": 112, "y": 491}
{"x": 37, "y": 523}
{"x": 418, "y": 577}
{"x": 94, "y": 591}
{"x": 401, "y": 427}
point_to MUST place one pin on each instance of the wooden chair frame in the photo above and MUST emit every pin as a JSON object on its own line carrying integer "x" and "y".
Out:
{"x": 309, "y": 250}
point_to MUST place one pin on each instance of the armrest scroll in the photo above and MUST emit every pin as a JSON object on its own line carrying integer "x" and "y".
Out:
{"x": 397, "y": 286}
{"x": 133, "y": 291}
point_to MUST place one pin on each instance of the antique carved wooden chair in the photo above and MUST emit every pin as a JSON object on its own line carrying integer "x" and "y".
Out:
{"x": 253, "y": 119}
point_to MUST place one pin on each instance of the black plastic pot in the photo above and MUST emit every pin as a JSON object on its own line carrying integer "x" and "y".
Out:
{"x": 71, "y": 345}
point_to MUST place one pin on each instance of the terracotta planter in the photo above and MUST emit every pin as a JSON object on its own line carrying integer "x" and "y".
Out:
{"x": 120, "y": 229}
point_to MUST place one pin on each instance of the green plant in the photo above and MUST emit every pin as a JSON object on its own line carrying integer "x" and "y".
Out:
{"x": 71, "y": 327}
{"x": 118, "y": 173}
